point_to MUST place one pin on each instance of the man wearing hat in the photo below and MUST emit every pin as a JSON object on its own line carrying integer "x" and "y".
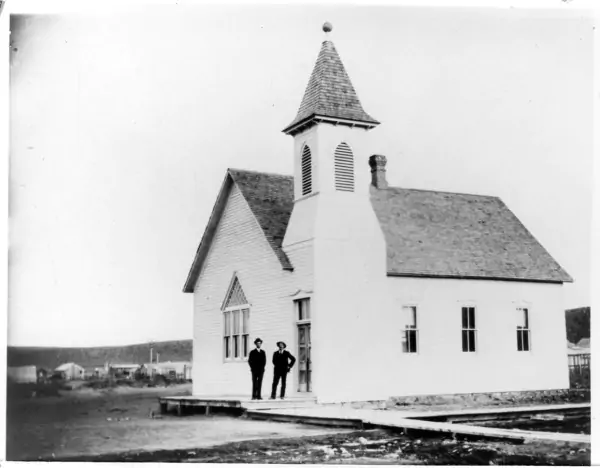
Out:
{"x": 257, "y": 361}
{"x": 283, "y": 362}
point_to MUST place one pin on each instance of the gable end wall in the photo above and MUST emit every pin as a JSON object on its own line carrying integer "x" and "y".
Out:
{"x": 239, "y": 246}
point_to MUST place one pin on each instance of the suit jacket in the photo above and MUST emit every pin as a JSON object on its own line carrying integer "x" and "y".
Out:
{"x": 257, "y": 360}
{"x": 283, "y": 361}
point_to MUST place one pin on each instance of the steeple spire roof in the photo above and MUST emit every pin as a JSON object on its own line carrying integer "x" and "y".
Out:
{"x": 329, "y": 95}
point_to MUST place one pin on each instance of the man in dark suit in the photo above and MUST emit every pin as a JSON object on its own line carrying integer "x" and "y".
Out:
{"x": 257, "y": 361}
{"x": 283, "y": 362}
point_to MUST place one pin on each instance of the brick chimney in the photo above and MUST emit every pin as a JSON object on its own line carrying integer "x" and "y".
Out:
{"x": 377, "y": 163}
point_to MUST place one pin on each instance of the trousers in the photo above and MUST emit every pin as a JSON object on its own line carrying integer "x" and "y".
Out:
{"x": 257, "y": 378}
{"x": 279, "y": 374}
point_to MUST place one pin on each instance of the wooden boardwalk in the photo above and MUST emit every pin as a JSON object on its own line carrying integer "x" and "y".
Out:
{"x": 422, "y": 420}
{"x": 234, "y": 402}
{"x": 305, "y": 410}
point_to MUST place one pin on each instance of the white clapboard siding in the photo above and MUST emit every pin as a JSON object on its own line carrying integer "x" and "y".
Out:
{"x": 496, "y": 365}
{"x": 239, "y": 246}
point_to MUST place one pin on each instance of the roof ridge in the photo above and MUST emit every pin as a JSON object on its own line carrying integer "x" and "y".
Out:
{"x": 259, "y": 172}
{"x": 437, "y": 241}
{"x": 442, "y": 191}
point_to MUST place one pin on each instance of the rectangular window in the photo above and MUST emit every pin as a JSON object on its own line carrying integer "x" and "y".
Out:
{"x": 303, "y": 306}
{"x": 245, "y": 331}
{"x": 523, "y": 332}
{"x": 411, "y": 332}
{"x": 236, "y": 333}
{"x": 469, "y": 332}
{"x": 227, "y": 334}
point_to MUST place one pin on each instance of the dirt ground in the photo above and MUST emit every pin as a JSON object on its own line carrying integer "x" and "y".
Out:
{"x": 377, "y": 447}
{"x": 563, "y": 424}
{"x": 88, "y": 422}
{"x": 114, "y": 425}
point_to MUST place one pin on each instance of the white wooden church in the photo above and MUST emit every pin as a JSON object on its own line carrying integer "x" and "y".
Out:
{"x": 378, "y": 291}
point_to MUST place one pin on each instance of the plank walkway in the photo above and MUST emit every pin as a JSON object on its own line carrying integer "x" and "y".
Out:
{"x": 231, "y": 401}
{"x": 418, "y": 420}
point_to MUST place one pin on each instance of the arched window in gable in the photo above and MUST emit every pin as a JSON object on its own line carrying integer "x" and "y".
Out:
{"x": 344, "y": 168}
{"x": 236, "y": 322}
{"x": 306, "y": 168}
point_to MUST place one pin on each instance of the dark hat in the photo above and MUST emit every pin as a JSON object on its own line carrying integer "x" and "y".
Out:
{"x": 281, "y": 342}
{"x": 257, "y": 340}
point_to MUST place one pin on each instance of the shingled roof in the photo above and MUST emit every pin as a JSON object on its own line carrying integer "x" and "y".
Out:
{"x": 445, "y": 234}
{"x": 428, "y": 233}
{"x": 271, "y": 199}
{"x": 330, "y": 93}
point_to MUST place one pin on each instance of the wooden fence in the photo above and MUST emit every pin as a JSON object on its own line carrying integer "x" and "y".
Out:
{"x": 579, "y": 370}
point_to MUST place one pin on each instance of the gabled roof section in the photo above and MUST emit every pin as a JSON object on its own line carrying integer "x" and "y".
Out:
{"x": 330, "y": 94}
{"x": 270, "y": 198}
{"x": 460, "y": 235}
{"x": 428, "y": 233}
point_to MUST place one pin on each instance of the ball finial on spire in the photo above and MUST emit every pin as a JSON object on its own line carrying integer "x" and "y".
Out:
{"x": 327, "y": 27}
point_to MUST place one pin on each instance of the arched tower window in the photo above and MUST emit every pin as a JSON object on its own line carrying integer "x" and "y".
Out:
{"x": 344, "y": 168}
{"x": 306, "y": 164}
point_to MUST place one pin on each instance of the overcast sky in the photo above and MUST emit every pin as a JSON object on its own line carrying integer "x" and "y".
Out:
{"x": 122, "y": 126}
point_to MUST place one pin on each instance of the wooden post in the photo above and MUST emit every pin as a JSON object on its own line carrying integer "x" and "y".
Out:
{"x": 207, "y": 410}
{"x": 179, "y": 409}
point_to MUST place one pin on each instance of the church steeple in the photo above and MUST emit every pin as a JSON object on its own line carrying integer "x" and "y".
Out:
{"x": 329, "y": 95}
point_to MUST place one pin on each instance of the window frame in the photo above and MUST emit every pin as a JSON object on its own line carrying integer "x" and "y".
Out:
{"x": 469, "y": 329}
{"x": 524, "y": 330}
{"x": 410, "y": 328}
{"x": 297, "y": 306}
{"x": 235, "y": 339}
{"x": 239, "y": 338}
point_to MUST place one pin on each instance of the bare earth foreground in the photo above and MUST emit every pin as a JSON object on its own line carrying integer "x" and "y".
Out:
{"x": 99, "y": 422}
{"x": 114, "y": 425}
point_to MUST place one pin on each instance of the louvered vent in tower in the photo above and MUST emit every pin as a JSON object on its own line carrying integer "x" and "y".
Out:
{"x": 344, "y": 168}
{"x": 306, "y": 171}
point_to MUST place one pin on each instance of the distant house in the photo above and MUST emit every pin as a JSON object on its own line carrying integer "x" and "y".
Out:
{"x": 96, "y": 371}
{"x": 22, "y": 374}
{"x": 70, "y": 371}
{"x": 42, "y": 375}
{"x": 123, "y": 371}
{"x": 100, "y": 372}
{"x": 181, "y": 370}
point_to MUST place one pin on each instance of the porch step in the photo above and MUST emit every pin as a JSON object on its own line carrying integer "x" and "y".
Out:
{"x": 278, "y": 404}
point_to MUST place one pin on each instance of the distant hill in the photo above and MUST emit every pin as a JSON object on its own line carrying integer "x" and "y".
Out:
{"x": 52, "y": 357}
{"x": 578, "y": 323}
